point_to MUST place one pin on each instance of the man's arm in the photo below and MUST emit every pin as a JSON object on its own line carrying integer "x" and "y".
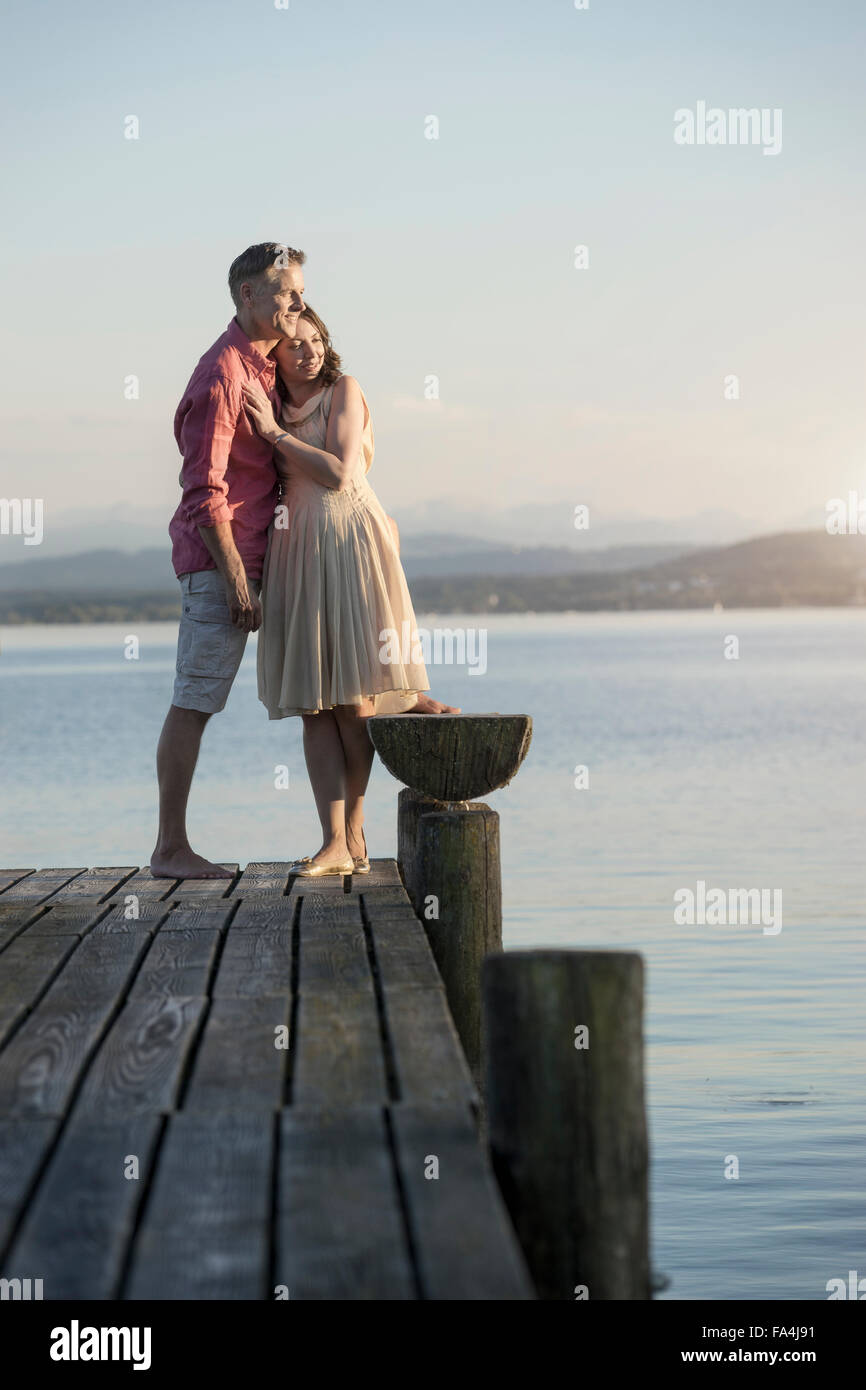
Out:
{"x": 205, "y": 438}
{"x": 244, "y": 606}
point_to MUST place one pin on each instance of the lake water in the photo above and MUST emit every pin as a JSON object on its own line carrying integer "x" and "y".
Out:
{"x": 741, "y": 773}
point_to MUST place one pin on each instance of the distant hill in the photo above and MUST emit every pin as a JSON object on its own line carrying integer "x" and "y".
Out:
{"x": 795, "y": 569}
{"x": 802, "y": 568}
{"x": 431, "y": 556}
{"x": 95, "y": 572}
{"x": 146, "y": 571}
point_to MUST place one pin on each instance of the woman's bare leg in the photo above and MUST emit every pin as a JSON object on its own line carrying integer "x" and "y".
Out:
{"x": 359, "y": 754}
{"x": 326, "y": 764}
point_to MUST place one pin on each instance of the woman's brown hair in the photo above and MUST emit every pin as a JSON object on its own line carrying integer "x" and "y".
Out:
{"x": 332, "y": 367}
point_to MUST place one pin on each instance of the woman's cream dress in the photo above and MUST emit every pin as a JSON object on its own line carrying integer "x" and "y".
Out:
{"x": 337, "y": 620}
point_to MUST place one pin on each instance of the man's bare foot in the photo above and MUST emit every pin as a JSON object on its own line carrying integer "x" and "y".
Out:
{"x": 183, "y": 863}
{"x": 427, "y": 705}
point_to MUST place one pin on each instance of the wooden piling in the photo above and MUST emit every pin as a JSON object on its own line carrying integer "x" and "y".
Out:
{"x": 411, "y": 806}
{"x": 566, "y": 1117}
{"x": 459, "y": 892}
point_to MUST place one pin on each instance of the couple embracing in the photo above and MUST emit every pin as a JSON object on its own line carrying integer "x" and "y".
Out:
{"x": 278, "y": 528}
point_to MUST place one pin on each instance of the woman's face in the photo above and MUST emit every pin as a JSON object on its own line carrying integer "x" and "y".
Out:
{"x": 300, "y": 359}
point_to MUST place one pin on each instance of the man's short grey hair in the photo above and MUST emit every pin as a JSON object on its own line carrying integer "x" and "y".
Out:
{"x": 256, "y": 260}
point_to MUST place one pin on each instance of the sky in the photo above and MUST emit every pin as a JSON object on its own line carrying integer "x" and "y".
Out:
{"x": 452, "y": 257}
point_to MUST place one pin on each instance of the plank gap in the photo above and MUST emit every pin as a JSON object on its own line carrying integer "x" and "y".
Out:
{"x": 391, "y": 1075}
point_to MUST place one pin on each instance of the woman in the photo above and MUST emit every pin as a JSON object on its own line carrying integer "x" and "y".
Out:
{"x": 333, "y": 589}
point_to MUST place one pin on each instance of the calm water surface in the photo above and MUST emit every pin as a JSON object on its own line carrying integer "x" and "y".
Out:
{"x": 742, "y": 773}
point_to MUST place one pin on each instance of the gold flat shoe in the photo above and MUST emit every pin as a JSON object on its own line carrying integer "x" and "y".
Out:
{"x": 361, "y": 862}
{"x": 305, "y": 868}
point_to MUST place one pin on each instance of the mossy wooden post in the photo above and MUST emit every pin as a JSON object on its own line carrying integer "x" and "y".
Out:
{"x": 459, "y": 889}
{"x": 450, "y": 852}
{"x": 411, "y": 806}
{"x": 563, "y": 1046}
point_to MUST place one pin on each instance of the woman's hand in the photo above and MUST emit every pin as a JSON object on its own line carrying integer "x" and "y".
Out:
{"x": 260, "y": 411}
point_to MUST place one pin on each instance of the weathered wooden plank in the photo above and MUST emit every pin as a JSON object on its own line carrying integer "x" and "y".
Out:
{"x": 282, "y": 907}
{"x": 142, "y": 918}
{"x": 14, "y": 917}
{"x": 332, "y": 948}
{"x": 18, "y": 914}
{"x": 333, "y": 885}
{"x": 383, "y": 874}
{"x": 178, "y": 962}
{"x": 337, "y": 1050}
{"x": 239, "y": 1065}
{"x": 388, "y": 899}
{"x": 333, "y": 958}
{"x": 394, "y": 913}
{"x": 23, "y": 1147}
{"x": 144, "y": 885}
{"x": 388, "y": 902}
{"x": 41, "y": 1063}
{"x": 322, "y": 908}
{"x": 261, "y": 878}
{"x": 465, "y": 1244}
{"x": 96, "y": 884}
{"x": 141, "y": 1060}
{"x": 263, "y": 914}
{"x": 71, "y": 918}
{"x": 389, "y": 895}
{"x": 339, "y": 1226}
{"x": 204, "y": 890}
{"x": 26, "y": 970}
{"x": 38, "y": 887}
{"x": 210, "y": 917}
{"x": 397, "y": 911}
{"x": 205, "y": 1230}
{"x": 403, "y": 954}
{"x": 10, "y": 876}
{"x": 255, "y": 963}
{"x": 316, "y": 907}
{"x": 79, "y": 1224}
{"x": 428, "y": 1060}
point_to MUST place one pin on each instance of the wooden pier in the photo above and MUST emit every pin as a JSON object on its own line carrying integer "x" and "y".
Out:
{"x": 245, "y": 1089}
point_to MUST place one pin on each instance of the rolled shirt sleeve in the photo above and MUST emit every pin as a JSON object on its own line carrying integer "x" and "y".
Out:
{"x": 205, "y": 431}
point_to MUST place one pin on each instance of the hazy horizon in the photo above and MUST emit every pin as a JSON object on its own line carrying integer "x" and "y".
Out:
{"x": 78, "y": 531}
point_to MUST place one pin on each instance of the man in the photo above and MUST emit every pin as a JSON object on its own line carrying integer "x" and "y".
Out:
{"x": 219, "y": 531}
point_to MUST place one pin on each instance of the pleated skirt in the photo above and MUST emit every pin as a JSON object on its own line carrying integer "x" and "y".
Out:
{"x": 338, "y": 625}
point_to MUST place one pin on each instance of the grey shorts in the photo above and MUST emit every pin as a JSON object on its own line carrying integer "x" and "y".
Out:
{"x": 209, "y": 646}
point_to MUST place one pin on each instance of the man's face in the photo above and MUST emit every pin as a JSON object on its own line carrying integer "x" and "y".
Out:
{"x": 273, "y": 301}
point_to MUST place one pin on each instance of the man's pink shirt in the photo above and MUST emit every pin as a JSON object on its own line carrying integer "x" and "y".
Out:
{"x": 228, "y": 471}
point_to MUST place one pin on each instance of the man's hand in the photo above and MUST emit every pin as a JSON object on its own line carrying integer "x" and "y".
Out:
{"x": 260, "y": 411}
{"x": 245, "y": 608}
